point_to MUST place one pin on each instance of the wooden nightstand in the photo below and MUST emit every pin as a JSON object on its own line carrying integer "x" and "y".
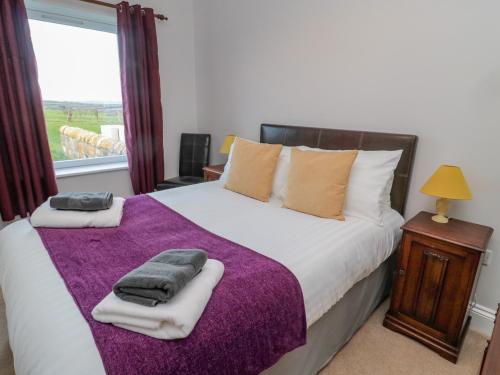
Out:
{"x": 435, "y": 281}
{"x": 213, "y": 172}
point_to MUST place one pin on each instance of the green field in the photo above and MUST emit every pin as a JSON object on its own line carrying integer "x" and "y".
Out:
{"x": 83, "y": 116}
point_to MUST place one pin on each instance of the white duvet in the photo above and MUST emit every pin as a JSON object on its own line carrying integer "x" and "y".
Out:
{"x": 48, "y": 334}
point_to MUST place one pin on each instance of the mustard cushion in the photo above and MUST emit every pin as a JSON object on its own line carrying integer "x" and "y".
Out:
{"x": 317, "y": 182}
{"x": 252, "y": 169}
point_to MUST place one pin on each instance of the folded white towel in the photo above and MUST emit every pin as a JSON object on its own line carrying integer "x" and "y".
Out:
{"x": 45, "y": 216}
{"x": 172, "y": 320}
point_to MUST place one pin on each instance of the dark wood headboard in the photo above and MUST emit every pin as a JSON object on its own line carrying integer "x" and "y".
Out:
{"x": 336, "y": 139}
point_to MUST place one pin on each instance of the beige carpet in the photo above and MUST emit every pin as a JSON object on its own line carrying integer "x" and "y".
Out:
{"x": 374, "y": 350}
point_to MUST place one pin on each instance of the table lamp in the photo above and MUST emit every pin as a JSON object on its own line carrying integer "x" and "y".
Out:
{"x": 448, "y": 182}
{"x": 226, "y": 146}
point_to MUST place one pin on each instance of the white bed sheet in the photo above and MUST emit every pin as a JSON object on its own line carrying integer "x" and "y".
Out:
{"x": 48, "y": 335}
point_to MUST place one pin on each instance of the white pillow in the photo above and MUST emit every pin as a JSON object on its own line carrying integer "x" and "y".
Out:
{"x": 386, "y": 199}
{"x": 280, "y": 174}
{"x": 224, "y": 176}
{"x": 370, "y": 184}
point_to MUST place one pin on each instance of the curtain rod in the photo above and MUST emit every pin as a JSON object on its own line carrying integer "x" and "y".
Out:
{"x": 108, "y": 5}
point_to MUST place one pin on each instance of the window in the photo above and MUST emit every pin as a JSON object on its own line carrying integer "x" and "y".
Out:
{"x": 79, "y": 77}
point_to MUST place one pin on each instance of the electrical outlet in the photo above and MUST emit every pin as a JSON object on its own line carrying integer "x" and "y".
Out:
{"x": 487, "y": 257}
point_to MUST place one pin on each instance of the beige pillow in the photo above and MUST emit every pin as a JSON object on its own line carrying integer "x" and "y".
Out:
{"x": 252, "y": 169}
{"x": 317, "y": 182}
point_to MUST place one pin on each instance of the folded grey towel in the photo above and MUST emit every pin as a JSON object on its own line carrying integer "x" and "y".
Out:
{"x": 82, "y": 201}
{"x": 161, "y": 277}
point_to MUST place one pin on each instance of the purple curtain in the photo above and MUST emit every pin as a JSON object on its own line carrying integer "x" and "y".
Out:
{"x": 140, "y": 77}
{"x": 26, "y": 170}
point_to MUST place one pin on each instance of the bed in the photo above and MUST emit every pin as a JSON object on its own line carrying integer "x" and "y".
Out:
{"x": 344, "y": 269}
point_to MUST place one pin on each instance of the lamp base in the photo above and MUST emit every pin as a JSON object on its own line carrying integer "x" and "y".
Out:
{"x": 440, "y": 219}
{"x": 442, "y": 209}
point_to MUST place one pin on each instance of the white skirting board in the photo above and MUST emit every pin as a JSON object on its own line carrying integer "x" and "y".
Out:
{"x": 483, "y": 319}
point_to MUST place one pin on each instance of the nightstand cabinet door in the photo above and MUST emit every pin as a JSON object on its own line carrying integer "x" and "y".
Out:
{"x": 437, "y": 273}
{"x": 434, "y": 285}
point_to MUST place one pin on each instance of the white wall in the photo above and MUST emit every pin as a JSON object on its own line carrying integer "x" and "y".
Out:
{"x": 117, "y": 182}
{"x": 420, "y": 67}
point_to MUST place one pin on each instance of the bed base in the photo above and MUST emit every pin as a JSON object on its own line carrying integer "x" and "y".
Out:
{"x": 328, "y": 335}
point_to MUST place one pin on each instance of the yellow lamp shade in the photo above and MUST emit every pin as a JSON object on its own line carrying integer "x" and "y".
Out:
{"x": 226, "y": 146}
{"x": 447, "y": 182}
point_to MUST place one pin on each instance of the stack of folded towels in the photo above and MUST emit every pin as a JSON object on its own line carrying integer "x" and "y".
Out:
{"x": 165, "y": 297}
{"x": 79, "y": 210}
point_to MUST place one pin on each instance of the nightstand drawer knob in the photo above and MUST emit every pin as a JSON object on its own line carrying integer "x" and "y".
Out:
{"x": 402, "y": 272}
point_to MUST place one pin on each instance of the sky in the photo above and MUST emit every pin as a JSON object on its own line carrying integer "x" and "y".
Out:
{"x": 76, "y": 64}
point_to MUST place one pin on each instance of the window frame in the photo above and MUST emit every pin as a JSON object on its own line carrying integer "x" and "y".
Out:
{"x": 62, "y": 18}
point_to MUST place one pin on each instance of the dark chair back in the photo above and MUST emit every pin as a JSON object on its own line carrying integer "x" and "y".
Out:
{"x": 195, "y": 154}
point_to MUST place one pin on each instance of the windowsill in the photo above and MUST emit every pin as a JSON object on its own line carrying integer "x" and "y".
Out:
{"x": 90, "y": 169}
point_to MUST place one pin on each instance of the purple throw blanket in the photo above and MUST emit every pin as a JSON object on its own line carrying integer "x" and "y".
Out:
{"x": 256, "y": 313}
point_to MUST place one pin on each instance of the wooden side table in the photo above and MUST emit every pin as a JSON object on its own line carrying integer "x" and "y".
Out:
{"x": 437, "y": 273}
{"x": 213, "y": 172}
